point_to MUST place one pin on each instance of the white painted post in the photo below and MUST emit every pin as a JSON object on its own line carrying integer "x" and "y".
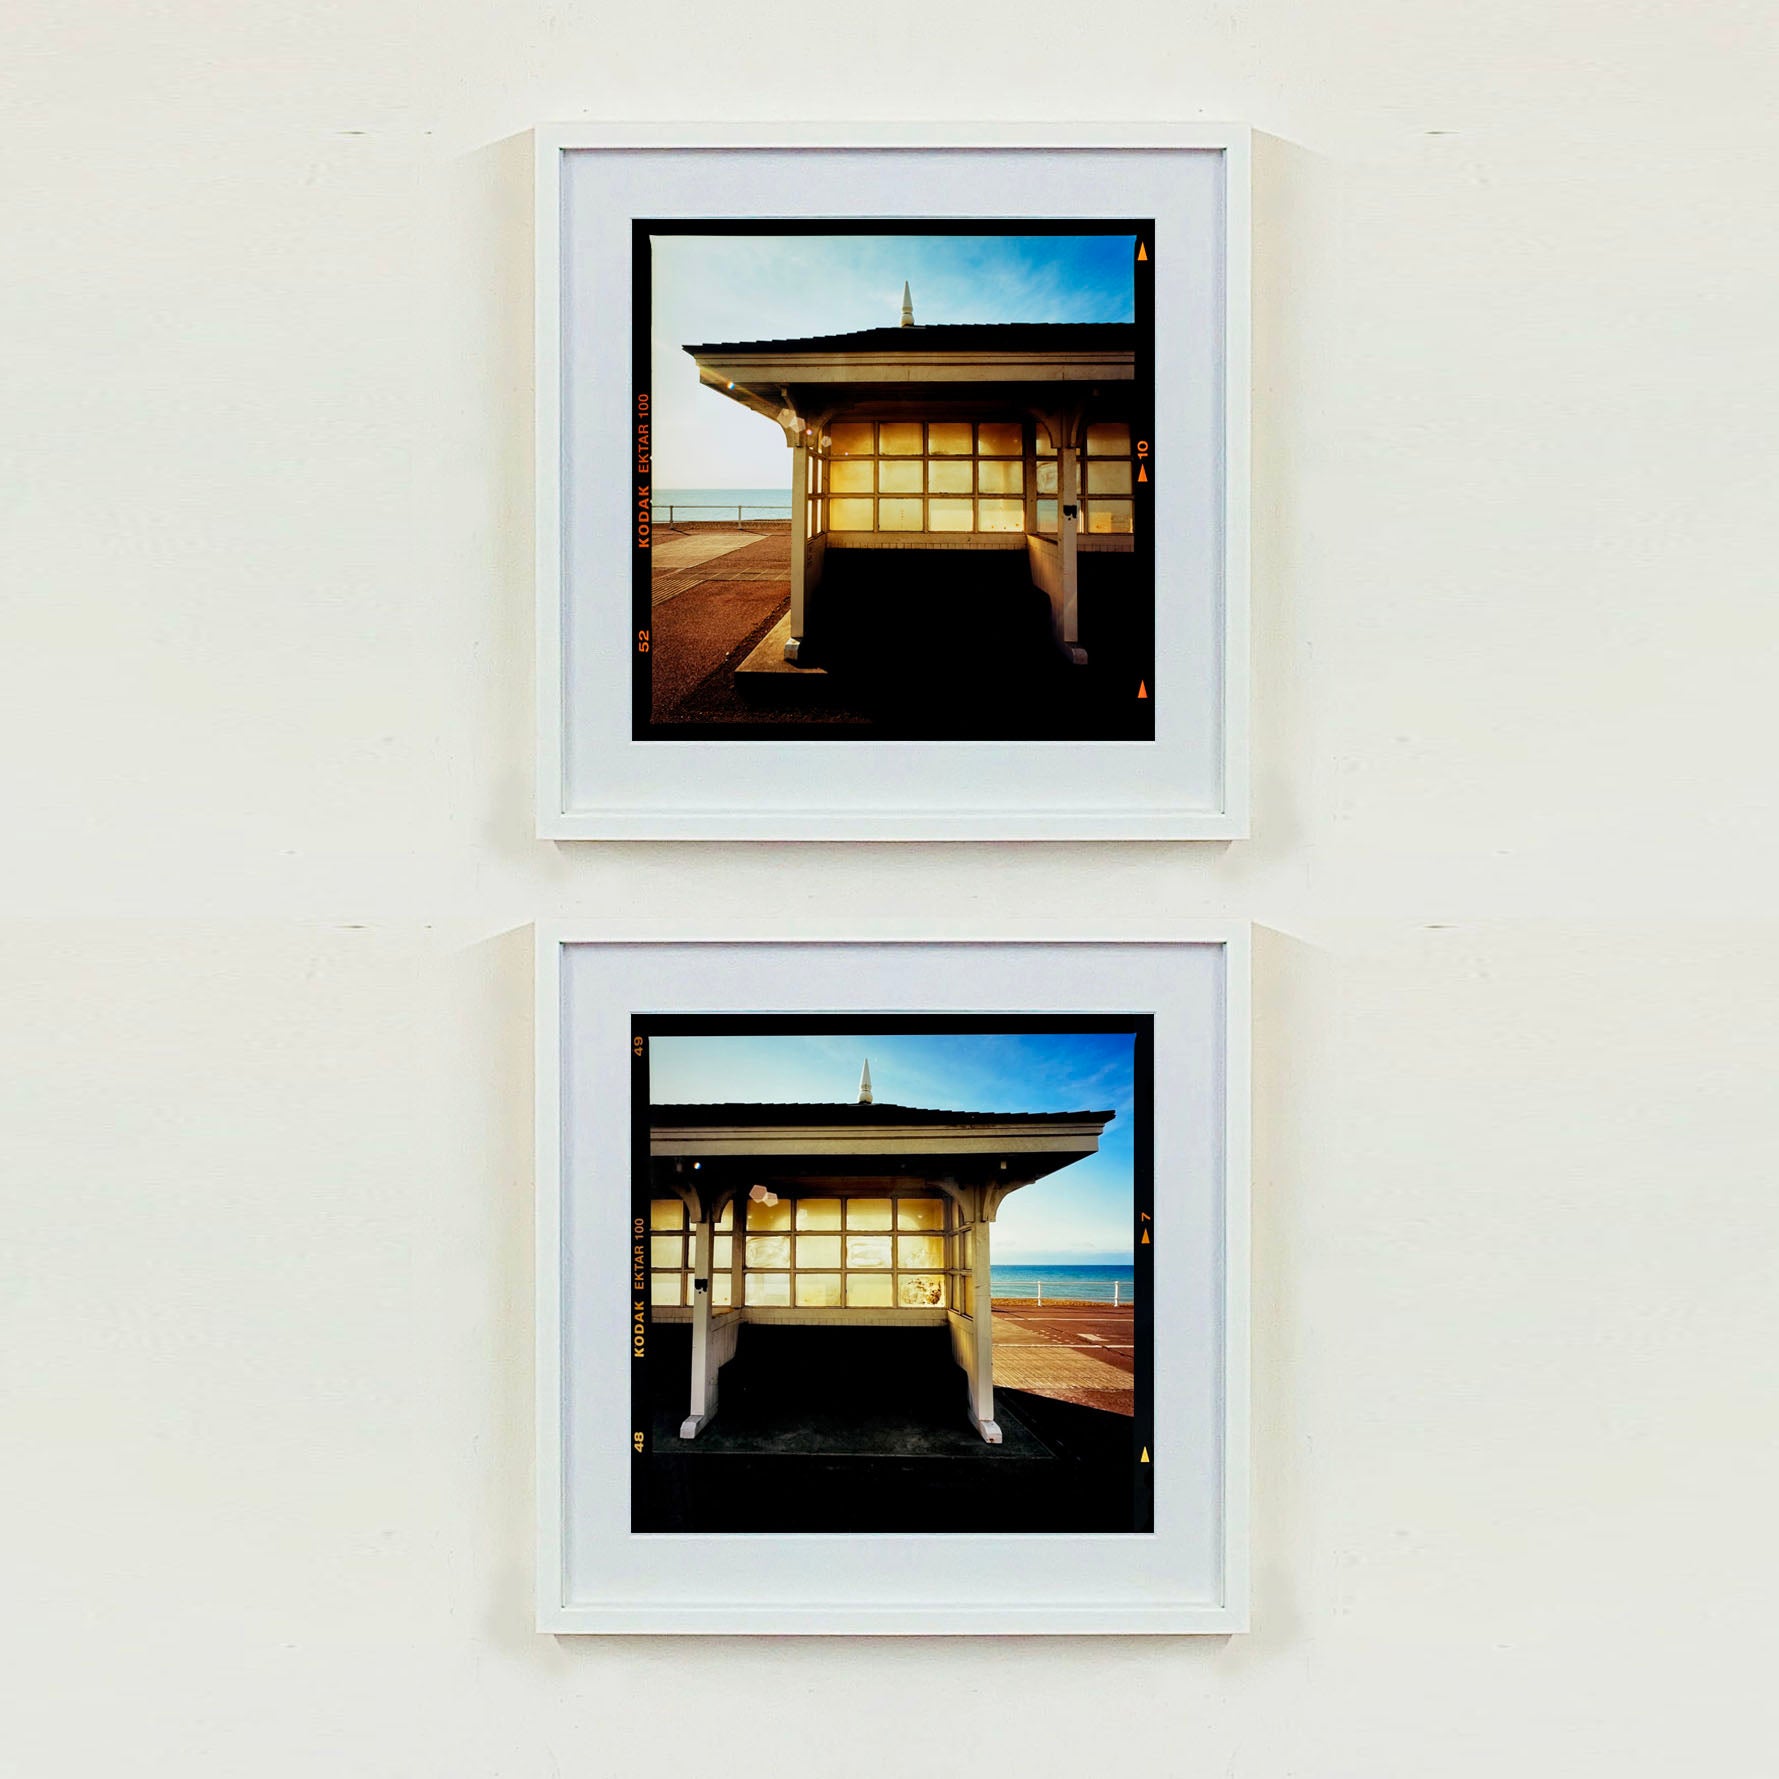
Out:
{"x": 983, "y": 1385}
{"x": 703, "y": 1399}
{"x": 799, "y": 536}
{"x": 1068, "y": 480}
{"x": 1115, "y": 1284}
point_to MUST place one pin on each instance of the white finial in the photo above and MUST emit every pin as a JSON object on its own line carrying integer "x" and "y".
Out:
{"x": 907, "y": 305}
{"x": 865, "y": 1084}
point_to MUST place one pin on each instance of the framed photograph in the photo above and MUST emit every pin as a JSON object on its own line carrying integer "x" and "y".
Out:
{"x": 892, "y": 1287}
{"x": 894, "y": 486}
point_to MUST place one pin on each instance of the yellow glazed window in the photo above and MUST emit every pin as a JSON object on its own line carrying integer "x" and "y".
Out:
{"x": 867, "y": 1251}
{"x": 920, "y": 1250}
{"x": 852, "y": 478}
{"x": 769, "y": 1250}
{"x": 818, "y": 1213}
{"x": 665, "y": 1250}
{"x": 664, "y": 1289}
{"x": 1001, "y": 478}
{"x": 1046, "y": 515}
{"x": 1047, "y": 477}
{"x": 852, "y": 439}
{"x": 818, "y": 1250}
{"x": 920, "y": 1290}
{"x": 867, "y": 1213}
{"x": 949, "y": 515}
{"x": 761, "y": 1216}
{"x": 722, "y": 1252}
{"x": 898, "y": 478}
{"x": 819, "y": 1290}
{"x": 666, "y": 1213}
{"x": 722, "y": 1293}
{"x": 850, "y": 515}
{"x": 1108, "y": 478}
{"x": 898, "y": 515}
{"x": 999, "y": 439}
{"x": 869, "y": 1291}
{"x": 1108, "y": 515}
{"x": 768, "y": 1288}
{"x": 899, "y": 438}
{"x": 1107, "y": 438}
{"x": 920, "y": 1213}
{"x": 949, "y": 438}
{"x": 1000, "y": 515}
{"x": 1045, "y": 447}
{"x": 948, "y": 478}
{"x": 726, "y": 1220}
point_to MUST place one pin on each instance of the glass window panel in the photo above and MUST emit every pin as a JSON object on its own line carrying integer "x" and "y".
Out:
{"x": 726, "y": 1220}
{"x": 1107, "y": 438}
{"x": 853, "y": 438}
{"x": 853, "y": 478}
{"x": 1108, "y": 515}
{"x": 666, "y": 1250}
{"x": 1045, "y": 447}
{"x": 920, "y": 1213}
{"x": 899, "y": 515}
{"x": 768, "y": 1288}
{"x": 949, "y": 438}
{"x": 867, "y": 1213}
{"x": 666, "y": 1213}
{"x": 969, "y": 1247}
{"x": 1047, "y": 477}
{"x": 722, "y": 1292}
{"x": 769, "y": 1250}
{"x": 898, "y": 478}
{"x": 850, "y": 515}
{"x": 920, "y": 1250}
{"x": 867, "y": 1251}
{"x": 1000, "y": 438}
{"x": 1046, "y": 515}
{"x": 868, "y": 1291}
{"x": 820, "y": 471}
{"x": 1001, "y": 478}
{"x": 818, "y": 1250}
{"x": 949, "y": 515}
{"x": 920, "y": 1290}
{"x": 819, "y": 1290}
{"x": 899, "y": 438}
{"x": 1108, "y": 478}
{"x": 722, "y": 1252}
{"x": 948, "y": 478}
{"x": 1000, "y": 515}
{"x": 969, "y": 1295}
{"x": 818, "y": 1213}
{"x": 664, "y": 1288}
{"x": 761, "y": 1216}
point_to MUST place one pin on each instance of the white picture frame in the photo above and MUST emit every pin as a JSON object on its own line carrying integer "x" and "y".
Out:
{"x": 595, "y": 780}
{"x": 1189, "y": 1573}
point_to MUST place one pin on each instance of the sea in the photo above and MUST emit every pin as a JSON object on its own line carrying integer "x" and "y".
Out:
{"x": 755, "y": 503}
{"x": 1063, "y": 1284}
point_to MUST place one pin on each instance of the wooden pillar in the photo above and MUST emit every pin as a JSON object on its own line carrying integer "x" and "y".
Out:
{"x": 1068, "y": 501}
{"x": 983, "y": 1385}
{"x": 799, "y": 533}
{"x": 704, "y": 1374}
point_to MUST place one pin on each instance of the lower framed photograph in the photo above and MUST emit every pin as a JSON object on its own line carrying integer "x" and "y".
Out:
{"x": 892, "y": 1287}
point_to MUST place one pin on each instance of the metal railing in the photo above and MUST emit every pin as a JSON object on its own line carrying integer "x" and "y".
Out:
{"x": 688, "y": 510}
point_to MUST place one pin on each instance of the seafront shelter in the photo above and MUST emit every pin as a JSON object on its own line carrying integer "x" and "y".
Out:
{"x": 994, "y": 450}
{"x": 859, "y": 1215}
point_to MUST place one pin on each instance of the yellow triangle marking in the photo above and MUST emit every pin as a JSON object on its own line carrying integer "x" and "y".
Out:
{"x": 1142, "y": 474}
{"x": 1142, "y": 251}
{"x": 1144, "y": 1459}
{"x": 1146, "y": 1242}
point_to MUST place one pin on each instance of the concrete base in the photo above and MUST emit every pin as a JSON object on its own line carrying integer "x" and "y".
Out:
{"x": 771, "y": 670}
{"x": 693, "y": 1425}
{"x": 989, "y": 1430}
{"x": 1075, "y": 653}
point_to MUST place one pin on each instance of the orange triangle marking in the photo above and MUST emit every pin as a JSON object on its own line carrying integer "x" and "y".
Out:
{"x": 1142, "y": 251}
{"x": 1143, "y": 692}
{"x": 1144, "y": 1459}
{"x": 1142, "y": 474}
{"x": 1146, "y": 1242}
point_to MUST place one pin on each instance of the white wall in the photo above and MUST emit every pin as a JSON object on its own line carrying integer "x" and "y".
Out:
{"x": 264, "y": 711}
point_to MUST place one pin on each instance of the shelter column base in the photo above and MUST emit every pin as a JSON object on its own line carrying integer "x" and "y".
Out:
{"x": 693, "y": 1425}
{"x": 990, "y": 1430}
{"x": 793, "y": 647}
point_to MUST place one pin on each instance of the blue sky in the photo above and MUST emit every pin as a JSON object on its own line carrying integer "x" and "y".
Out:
{"x": 1081, "y": 1214}
{"x": 764, "y": 287}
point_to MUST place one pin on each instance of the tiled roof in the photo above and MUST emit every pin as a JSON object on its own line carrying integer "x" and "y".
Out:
{"x": 805, "y": 1113}
{"x": 1006, "y": 336}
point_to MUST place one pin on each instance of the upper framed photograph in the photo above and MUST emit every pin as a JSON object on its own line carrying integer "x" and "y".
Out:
{"x": 892, "y": 1287}
{"x": 892, "y": 485}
